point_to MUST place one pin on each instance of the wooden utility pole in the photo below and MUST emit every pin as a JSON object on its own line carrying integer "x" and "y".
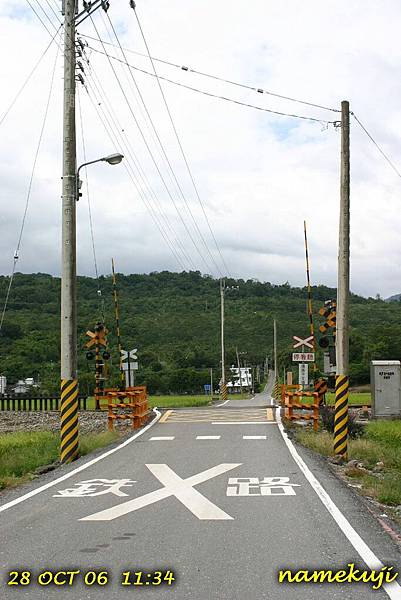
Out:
{"x": 310, "y": 311}
{"x": 342, "y": 319}
{"x": 69, "y": 382}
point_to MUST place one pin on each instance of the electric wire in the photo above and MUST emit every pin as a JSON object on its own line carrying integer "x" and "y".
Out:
{"x": 196, "y": 227}
{"x": 53, "y": 11}
{"x": 131, "y": 152}
{"x": 39, "y": 17}
{"x": 387, "y": 158}
{"x": 222, "y": 79}
{"x": 180, "y": 144}
{"x": 28, "y": 196}
{"x": 106, "y": 125}
{"x": 21, "y": 89}
{"x": 217, "y": 96}
{"x": 99, "y": 287}
{"x": 152, "y": 155}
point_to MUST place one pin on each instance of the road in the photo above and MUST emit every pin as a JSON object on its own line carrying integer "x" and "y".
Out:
{"x": 170, "y": 500}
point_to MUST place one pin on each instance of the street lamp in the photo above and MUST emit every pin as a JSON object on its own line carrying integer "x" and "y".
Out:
{"x": 69, "y": 382}
{"x": 112, "y": 159}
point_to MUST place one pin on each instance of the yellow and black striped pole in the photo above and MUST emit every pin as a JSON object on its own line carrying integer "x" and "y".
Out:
{"x": 223, "y": 391}
{"x": 341, "y": 416}
{"x": 69, "y": 445}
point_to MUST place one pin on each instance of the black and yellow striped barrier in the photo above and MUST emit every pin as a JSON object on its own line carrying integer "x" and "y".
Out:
{"x": 69, "y": 420}
{"x": 223, "y": 391}
{"x": 341, "y": 416}
{"x": 277, "y": 391}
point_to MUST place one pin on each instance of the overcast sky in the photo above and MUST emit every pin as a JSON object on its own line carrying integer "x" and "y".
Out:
{"x": 258, "y": 175}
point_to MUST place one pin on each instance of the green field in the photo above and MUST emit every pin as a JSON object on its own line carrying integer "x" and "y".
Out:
{"x": 354, "y": 398}
{"x": 23, "y": 452}
{"x": 380, "y": 443}
{"x": 176, "y": 401}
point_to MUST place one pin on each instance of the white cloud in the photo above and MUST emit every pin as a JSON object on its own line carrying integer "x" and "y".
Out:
{"x": 259, "y": 175}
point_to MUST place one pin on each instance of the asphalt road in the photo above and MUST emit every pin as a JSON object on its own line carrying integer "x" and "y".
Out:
{"x": 177, "y": 505}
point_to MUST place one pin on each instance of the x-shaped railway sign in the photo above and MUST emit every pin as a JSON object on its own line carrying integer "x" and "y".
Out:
{"x": 132, "y": 354}
{"x": 300, "y": 342}
{"x": 182, "y": 489}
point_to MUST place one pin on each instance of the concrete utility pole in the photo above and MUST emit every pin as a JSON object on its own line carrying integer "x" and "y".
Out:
{"x": 342, "y": 318}
{"x": 223, "y": 389}
{"x": 69, "y": 382}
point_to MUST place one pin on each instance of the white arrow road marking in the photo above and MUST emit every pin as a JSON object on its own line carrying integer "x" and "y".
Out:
{"x": 174, "y": 485}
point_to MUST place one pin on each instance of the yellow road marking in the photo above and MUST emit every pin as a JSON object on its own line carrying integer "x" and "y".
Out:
{"x": 269, "y": 414}
{"x": 165, "y": 416}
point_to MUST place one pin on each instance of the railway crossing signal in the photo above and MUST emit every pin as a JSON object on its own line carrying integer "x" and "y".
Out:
{"x": 329, "y": 312}
{"x": 98, "y": 340}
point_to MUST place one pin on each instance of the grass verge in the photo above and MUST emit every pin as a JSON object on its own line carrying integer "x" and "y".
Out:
{"x": 23, "y": 452}
{"x": 354, "y": 398}
{"x": 380, "y": 443}
{"x": 176, "y": 401}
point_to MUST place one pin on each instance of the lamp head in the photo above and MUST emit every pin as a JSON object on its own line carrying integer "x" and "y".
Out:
{"x": 113, "y": 159}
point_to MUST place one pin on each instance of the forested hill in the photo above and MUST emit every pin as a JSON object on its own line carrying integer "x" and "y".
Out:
{"x": 174, "y": 321}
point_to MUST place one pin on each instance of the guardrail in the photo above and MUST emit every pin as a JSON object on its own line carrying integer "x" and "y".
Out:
{"x": 36, "y": 403}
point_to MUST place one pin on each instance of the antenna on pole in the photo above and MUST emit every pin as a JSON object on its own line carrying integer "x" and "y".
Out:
{"x": 117, "y": 319}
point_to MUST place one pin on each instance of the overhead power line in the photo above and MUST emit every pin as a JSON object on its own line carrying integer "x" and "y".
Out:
{"x": 172, "y": 171}
{"x": 212, "y": 95}
{"x": 28, "y": 196}
{"x": 180, "y": 144}
{"x": 187, "y": 69}
{"x": 21, "y": 89}
{"x": 385, "y": 156}
{"x": 150, "y": 150}
{"x": 115, "y": 131}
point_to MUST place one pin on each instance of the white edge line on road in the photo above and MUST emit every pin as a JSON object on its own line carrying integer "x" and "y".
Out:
{"x": 244, "y": 423}
{"x": 223, "y": 403}
{"x": 82, "y": 467}
{"x": 392, "y": 589}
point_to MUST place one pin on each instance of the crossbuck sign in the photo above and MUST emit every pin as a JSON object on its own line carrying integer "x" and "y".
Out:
{"x": 300, "y": 342}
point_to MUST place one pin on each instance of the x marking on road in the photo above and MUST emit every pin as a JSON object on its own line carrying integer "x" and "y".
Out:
{"x": 182, "y": 489}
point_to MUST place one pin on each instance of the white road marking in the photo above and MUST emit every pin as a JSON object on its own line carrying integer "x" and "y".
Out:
{"x": 208, "y": 437}
{"x": 223, "y": 403}
{"x": 392, "y": 589}
{"x": 82, "y": 467}
{"x": 254, "y": 437}
{"x": 161, "y": 438}
{"x": 182, "y": 489}
{"x": 244, "y": 423}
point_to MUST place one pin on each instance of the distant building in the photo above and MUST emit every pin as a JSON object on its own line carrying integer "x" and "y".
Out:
{"x": 24, "y": 385}
{"x": 241, "y": 379}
